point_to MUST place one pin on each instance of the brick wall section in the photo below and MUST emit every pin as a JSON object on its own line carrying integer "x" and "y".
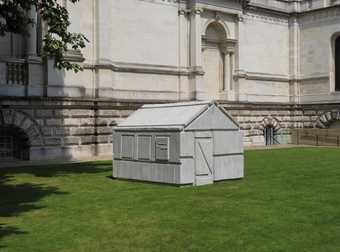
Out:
{"x": 78, "y": 128}
{"x": 68, "y": 124}
{"x": 253, "y": 117}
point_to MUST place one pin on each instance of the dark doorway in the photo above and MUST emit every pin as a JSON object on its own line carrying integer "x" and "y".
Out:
{"x": 269, "y": 135}
{"x": 337, "y": 63}
{"x": 14, "y": 144}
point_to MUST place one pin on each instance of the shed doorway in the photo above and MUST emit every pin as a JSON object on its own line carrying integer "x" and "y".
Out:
{"x": 204, "y": 169}
{"x": 13, "y": 144}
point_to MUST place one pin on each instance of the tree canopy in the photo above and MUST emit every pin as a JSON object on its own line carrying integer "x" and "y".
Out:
{"x": 57, "y": 40}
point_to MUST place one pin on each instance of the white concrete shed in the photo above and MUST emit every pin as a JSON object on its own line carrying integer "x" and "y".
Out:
{"x": 194, "y": 143}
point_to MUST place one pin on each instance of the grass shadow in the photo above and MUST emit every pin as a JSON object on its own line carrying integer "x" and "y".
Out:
{"x": 20, "y": 198}
{"x": 61, "y": 169}
{"x": 17, "y": 199}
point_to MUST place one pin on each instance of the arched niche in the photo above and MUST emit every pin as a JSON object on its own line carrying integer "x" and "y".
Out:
{"x": 215, "y": 32}
{"x": 218, "y": 61}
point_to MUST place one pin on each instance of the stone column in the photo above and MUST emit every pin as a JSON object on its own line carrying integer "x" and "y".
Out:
{"x": 232, "y": 66}
{"x": 226, "y": 75}
{"x": 196, "y": 50}
{"x": 294, "y": 58}
{"x": 31, "y": 50}
{"x": 229, "y": 63}
{"x": 195, "y": 38}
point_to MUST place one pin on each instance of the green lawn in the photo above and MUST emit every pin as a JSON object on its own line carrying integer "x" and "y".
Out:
{"x": 289, "y": 201}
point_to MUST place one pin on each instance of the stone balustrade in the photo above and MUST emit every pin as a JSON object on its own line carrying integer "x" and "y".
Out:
{"x": 14, "y": 72}
{"x": 21, "y": 77}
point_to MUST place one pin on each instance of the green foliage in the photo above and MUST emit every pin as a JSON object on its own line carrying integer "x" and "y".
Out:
{"x": 57, "y": 40}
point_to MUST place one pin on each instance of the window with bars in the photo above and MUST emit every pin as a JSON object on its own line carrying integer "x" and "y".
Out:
{"x": 269, "y": 135}
{"x": 6, "y": 147}
{"x": 14, "y": 144}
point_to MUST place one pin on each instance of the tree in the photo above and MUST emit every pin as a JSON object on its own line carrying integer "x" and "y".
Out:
{"x": 14, "y": 18}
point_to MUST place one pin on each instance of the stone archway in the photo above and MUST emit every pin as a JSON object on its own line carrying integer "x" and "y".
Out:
{"x": 270, "y": 127}
{"x": 327, "y": 119}
{"x": 14, "y": 144}
{"x": 24, "y": 122}
{"x": 270, "y": 121}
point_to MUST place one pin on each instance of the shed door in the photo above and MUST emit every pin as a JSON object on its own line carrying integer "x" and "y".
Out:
{"x": 204, "y": 161}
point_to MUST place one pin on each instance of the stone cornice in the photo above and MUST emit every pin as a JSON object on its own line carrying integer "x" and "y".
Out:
{"x": 241, "y": 74}
{"x": 288, "y": 8}
{"x": 142, "y": 68}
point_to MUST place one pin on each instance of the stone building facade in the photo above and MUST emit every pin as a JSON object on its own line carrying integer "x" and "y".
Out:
{"x": 274, "y": 65}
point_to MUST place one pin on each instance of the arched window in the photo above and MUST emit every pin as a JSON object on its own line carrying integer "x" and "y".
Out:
{"x": 14, "y": 144}
{"x": 337, "y": 63}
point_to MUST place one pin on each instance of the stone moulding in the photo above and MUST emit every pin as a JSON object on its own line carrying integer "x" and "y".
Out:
{"x": 241, "y": 74}
{"x": 141, "y": 68}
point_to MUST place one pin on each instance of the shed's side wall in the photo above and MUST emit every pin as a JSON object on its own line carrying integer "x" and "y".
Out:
{"x": 152, "y": 169}
{"x": 145, "y": 171}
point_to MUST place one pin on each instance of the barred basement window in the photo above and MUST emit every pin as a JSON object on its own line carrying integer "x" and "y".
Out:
{"x": 269, "y": 135}
{"x": 13, "y": 144}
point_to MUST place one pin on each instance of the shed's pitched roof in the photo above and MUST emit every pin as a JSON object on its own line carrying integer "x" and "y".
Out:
{"x": 172, "y": 115}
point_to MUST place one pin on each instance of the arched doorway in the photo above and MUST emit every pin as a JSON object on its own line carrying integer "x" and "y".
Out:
{"x": 14, "y": 143}
{"x": 337, "y": 63}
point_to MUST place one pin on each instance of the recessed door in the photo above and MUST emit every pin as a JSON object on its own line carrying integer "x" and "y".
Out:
{"x": 204, "y": 161}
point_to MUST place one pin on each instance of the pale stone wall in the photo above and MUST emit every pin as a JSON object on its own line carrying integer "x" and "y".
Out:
{"x": 142, "y": 49}
{"x": 317, "y": 64}
{"x": 137, "y": 56}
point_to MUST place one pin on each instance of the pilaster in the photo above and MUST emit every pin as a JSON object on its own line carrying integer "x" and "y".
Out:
{"x": 196, "y": 47}
{"x": 31, "y": 49}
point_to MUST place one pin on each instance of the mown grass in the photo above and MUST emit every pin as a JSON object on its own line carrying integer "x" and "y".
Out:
{"x": 288, "y": 201}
